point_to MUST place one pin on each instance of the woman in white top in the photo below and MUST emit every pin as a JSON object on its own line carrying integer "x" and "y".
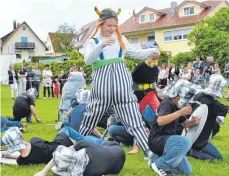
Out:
{"x": 111, "y": 80}
{"x": 13, "y": 81}
{"x": 22, "y": 74}
{"x": 47, "y": 80}
{"x": 216, "y": 69}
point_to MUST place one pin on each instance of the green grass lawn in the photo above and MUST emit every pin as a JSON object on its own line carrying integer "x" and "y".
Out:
{"x": 134, "y": 166}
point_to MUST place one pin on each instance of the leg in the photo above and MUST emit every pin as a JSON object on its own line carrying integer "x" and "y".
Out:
{"x": 16, "y": 89}
{"x": 20, "y": 86}
{"x": 77, "y": 137}
{"x": 151, "y": 100}
{"x": 12, "y": 90}
{"x": 174, "y": 156}
{"x": 28, "y": 119}
{"x": 212, "y": 150}
{"x": 48, "y": 91}
{"x": 135, "y": 148}
{"x": 126, "y": 106}
{"x": 9, "y": 123}
{"x": 119, "y": 134}
{"x": 44, "y": 92}
{"x": 24, "y": 84}
{"x": 100, "y": 99}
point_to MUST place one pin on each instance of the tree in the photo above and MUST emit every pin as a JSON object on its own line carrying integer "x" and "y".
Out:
{"x": 74, "y": 55}
{"x": 211, "y": 36}
{"x": 64, "y": 38}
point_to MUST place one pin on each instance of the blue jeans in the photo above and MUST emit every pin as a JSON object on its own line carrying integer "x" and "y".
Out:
{"x": 174, "y": 158}
{"x": 119, "y": 134}
{"x": 208, "y": 152}
{"x": 77, "y": 137}
{"x": 5, "y": 123}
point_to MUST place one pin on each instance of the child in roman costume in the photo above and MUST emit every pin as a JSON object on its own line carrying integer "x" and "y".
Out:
{"x": 111, "y": 81}
{"x": 145, "y": 77}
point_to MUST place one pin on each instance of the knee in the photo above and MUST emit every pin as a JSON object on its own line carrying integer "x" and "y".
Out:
{"x": 187, "y": 143}
{"x": 112, "y": 130}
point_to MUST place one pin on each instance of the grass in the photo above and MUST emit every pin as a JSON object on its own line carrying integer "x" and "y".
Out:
{"x": 134, "y": 166}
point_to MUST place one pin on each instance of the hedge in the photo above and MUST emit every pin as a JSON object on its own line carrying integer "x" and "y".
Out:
{"x": 56, "y": 67}
{"x": 183, "y": 58}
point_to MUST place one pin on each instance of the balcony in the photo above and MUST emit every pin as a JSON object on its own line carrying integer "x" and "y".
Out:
{"x": 24, "y": 45}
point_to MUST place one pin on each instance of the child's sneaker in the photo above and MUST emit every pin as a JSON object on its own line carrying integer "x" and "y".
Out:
{"x": 58, "y": 125}
{"x": 24, "y": 127}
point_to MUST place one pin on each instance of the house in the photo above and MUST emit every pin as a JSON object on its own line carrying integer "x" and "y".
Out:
{"x": 170, "y": 26}
{"x": 83, "y": 35}
{"x": 23, "y": 42}
{"x": 54, "y": 46}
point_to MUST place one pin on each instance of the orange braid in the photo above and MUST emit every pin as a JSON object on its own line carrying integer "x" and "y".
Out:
{"x": 97, "y": 28}
{"x": 118, "y": 32}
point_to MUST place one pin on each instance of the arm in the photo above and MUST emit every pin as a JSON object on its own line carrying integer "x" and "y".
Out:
{"x": 92, "y": 51}
{"x": 168, "y": 118}
{"x": 10, "y": 155}
{"x": 69, "y": 112}
{"x": 97, "y": 133}
{"x": 139, "y": 54}
{"x": 44, "y": 171}
{"x": 32, "y": 108}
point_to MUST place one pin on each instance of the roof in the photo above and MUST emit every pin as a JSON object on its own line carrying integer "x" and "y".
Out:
{"x": 85, "y": 33}
{"x": 151, "y": 9}
{"x": 195, "y": 2}
{"x": 5, "y": 38}
{"x": 56, "y": 44}
{"x": 133, "y": 25}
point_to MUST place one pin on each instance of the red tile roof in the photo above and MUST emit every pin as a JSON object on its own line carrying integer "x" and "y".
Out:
{"x": 132, "y": 25}
{"x": 56, "y": 44}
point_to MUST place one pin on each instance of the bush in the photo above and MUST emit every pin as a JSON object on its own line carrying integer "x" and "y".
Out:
{"x": 77, "y": 59}
{"x": 183, "y": 58}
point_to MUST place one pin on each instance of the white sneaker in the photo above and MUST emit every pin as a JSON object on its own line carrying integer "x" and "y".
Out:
{"x": 44, "y": 98}
{"x": 158, "y": 171}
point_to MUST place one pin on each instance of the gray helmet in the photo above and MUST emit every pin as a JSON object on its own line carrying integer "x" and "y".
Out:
{"x": 33, "y": 92}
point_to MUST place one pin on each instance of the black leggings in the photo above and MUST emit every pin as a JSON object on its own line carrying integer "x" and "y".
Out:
{"x": 44, "y": 91}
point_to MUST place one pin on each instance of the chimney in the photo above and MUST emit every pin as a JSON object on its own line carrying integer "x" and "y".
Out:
{"x": 14, "y": 25}
{"x": 173, "y": 8}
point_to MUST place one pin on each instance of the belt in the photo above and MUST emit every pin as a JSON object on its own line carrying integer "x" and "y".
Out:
{"x": 143, "y": 86}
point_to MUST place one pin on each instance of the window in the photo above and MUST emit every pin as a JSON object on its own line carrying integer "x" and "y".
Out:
{"x": 18, "y": 54}
{"x": 151, "y": 17}
{"x": 186, "y": 32}
{"x": 31, "y": 53}
{"x": 134, "y": 40}
{"x": 177, "y": 35}
{"x": 189, "y": 11}
{"x": 24, "y": 39}
{"x": 168, "y": 35}
{"x": 142, "y": 19}
{"x": 151, "y": 38}
{"x": 24, "y": 28}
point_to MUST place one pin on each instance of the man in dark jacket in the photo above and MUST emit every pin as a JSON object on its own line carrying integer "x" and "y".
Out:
{"x": 13, "y": 81}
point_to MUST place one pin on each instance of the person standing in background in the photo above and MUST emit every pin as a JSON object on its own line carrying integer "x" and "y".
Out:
{"x": 63, "y": 79}
{"x": 37, "y": 79}
{"x": 226, "y": 71}
{"x": 47, "y": 80}
{"x": 22, "y": 74}
{"x": 13, "y": 77}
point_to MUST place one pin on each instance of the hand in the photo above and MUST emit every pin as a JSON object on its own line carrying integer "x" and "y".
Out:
{"x": 107, "y": 42}
{"x": 41, "y": 173}
{"x": 108, "y": 123}
{"x": 38, "y": 120}
{"x": 195, "y": 120}
{"x": 186, "y": 111}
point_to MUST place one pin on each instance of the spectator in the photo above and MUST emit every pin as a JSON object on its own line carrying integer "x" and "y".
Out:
{"x": 208, "y": 69}
{"x": 226, "y": 71}
{"x": 37, "y": 78}
{"x": 22, "y": 74}
{"x": 162, "y": 77}
{"x": 173, "y": 71}
{"x": 13, "y": 77}
{"x": 47, "y": 80}
{"x": 63, "y": 79}
{"x": 216, "y": 70}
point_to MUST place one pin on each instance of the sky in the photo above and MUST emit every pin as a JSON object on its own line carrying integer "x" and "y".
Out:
{"x": 45, "y": 16}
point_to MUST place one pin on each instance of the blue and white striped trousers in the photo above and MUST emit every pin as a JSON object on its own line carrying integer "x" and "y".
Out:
{"x": 112, "y": 86}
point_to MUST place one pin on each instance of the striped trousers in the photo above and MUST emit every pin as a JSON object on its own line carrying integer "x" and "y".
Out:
{"x": 112, "y": 86}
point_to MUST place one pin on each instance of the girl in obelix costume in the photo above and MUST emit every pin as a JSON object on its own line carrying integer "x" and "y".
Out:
{"x": 111, "y": 81}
